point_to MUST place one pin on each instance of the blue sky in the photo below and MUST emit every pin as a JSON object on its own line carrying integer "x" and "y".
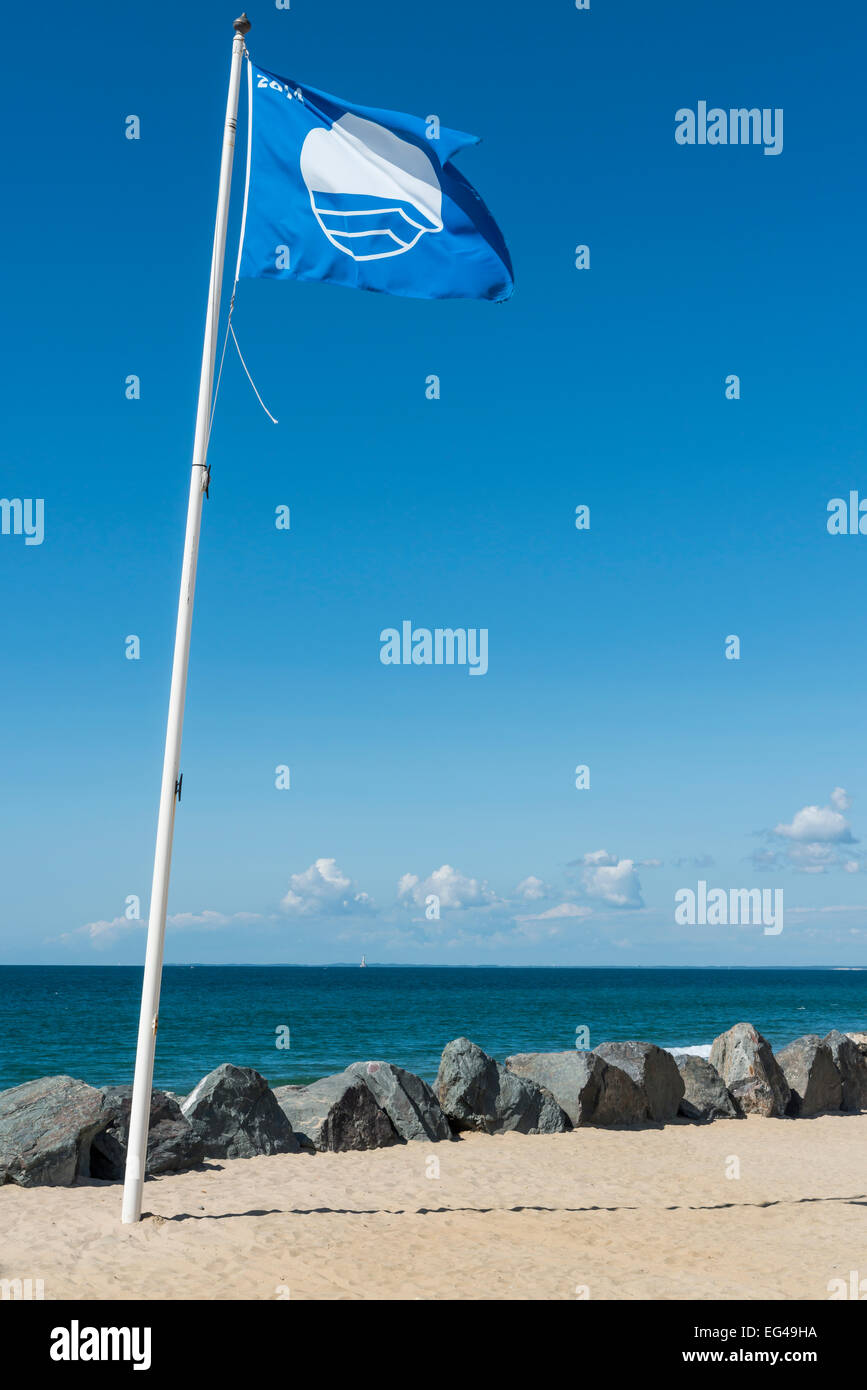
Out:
{"x": 603, "y": 387}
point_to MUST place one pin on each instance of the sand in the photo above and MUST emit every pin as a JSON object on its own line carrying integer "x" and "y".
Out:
{"x": 620, "y": 1214}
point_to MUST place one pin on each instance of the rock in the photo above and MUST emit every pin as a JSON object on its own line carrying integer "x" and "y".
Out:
{"x": 588, "y": 1089}
{"x": 574, "y": 1079}
{"x": 814, "y": 1081}
{"x": 476, "y": 1093}
{"x": 653, "y": 1070}
{"x": 173, "y": 1145}
{"x": 851, "y": 1063}
{"x": 747, "y": 1065}
{"x": 705, "y": 1096}
{"x": 236, "y": 1115}
{"x": 860, "y": 1041}
{"x": 46, "y": 1130}
{"x": 337, "y": 1113}
{"x": 621, "y": 1100}
{"x": 408, "y": 1101}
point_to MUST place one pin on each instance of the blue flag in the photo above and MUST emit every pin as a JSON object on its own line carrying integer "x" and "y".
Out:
{"x": 364, "y": 198}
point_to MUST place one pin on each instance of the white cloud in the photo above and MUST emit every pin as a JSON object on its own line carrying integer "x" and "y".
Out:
{"x": 812, "y": 835}
{"x": 109, "y": 930}
{"x": 813, "y": 858}
{"x": 406, "y": 883}
{"x": 105, "y": 930}
{"x": 208, "y": 918}
{"x": 555, "y": 913}
{"x": 323, "y": 888}
{"x": 830, "y": 907}
{"x": 820, "y": 824}
{"x": 615, "y": 883}
{"x": 453, "y": 889}
{"x": 532, "y": 889}
{"x": 600, "y": 857}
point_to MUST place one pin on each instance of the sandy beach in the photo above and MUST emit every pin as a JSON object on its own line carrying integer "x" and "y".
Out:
{"x": 624, "y": 1214}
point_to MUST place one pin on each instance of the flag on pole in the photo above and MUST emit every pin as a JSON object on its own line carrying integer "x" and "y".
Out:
{"x": 337, "y": 192}
{"x": 363, "y": 197}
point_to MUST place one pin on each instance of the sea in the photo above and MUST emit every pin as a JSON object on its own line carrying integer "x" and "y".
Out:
{"x": 297, "y": 1023}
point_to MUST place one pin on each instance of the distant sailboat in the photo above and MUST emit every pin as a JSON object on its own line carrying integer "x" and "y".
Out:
{"x": 363, "y": 963}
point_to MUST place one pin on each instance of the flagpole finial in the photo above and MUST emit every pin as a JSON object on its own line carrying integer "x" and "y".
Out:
{"x": 242, "y": 25}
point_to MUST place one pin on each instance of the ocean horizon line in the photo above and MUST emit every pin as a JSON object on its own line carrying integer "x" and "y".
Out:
{"x": 385, "y": 965}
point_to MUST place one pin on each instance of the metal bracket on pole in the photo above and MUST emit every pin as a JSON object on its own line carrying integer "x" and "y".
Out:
{"x": 178, "y": 785}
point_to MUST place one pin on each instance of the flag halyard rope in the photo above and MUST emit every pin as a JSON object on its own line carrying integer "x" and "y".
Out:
{"x": 229, "y": 328}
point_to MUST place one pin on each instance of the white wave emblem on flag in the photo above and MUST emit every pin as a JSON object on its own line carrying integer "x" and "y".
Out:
{"x": 373, "y": 194}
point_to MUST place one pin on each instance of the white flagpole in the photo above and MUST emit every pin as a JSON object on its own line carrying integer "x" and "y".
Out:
{"x": 150, "y": 999}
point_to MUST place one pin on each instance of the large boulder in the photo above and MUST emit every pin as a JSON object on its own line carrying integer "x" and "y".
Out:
{"x": 750, "y": 1071}
{"x": 705, "y": 1096}
{"x": 408, "y": 1101}
{"x": 337, "y": 1113}
{"x": 653, "y": 1070}
{"x": 236, "y": 1115}
{"x": 476, "y": 1093}
{"x": 46, "y": 1130}
{"x": 814, "y": 1081}
{"x": 621, "y": 1100}
{"x": 851, "y": 1063}
{"x": 574, "y": 1079}
{"x": 173, "y": 1144}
